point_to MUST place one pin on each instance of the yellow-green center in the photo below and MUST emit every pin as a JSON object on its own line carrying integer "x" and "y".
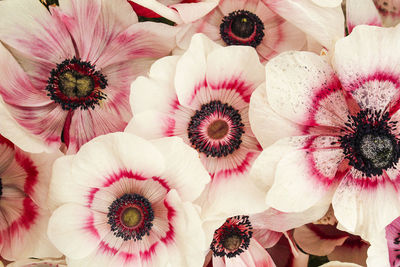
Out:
{"x": 74, "y": 84}
{"x": 131, "y": 217}
{"x": 232, "y": 242}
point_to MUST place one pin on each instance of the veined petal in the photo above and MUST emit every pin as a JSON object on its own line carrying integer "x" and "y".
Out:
{"x": 325, "y": 24}
{"x": 40, "y": 33}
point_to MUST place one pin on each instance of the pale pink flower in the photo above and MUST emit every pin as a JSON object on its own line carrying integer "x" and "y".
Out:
{"x": 257, "y": 240}
{"x": 389, "y": 11}
{"x": 341, "y": 124}
{"x": 270, "y": 26}
{"x": 126, "y": 201}
{"x": 203, "y": 97}
{"x": 24, "y": 212}
{"x": 65, "y": 76}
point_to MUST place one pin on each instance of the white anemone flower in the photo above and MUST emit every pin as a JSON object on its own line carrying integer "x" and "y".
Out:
{"x": 125, "y": 201}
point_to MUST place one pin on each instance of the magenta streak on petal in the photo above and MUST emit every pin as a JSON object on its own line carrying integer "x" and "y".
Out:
{"x": 326, "y": 181}
{"x": 162, "y": 182}
{"x": 169, "y": 236}
{"x": 28, "y": 166}
{"x": 123, "y": 174}
{"x": 169, "y": 131}
{"x": 373, "y": 22}
{"x": 105, "y": 248}
{"x": 324, "y": 91}
{"x": 25, "y": 221}
{"x": 175, "y": 104}
{"x": 89, "y": 225}
{"x": 67, "y": 126}
{"x": 236, "y": 84}
{"x": 242, "y": 168}
{"x": 196, "y": 89}
{"x": 6, "y": 142}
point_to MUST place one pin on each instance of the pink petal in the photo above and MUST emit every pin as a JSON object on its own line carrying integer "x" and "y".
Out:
{"x": 140, "y": 40}
{"x": 319, "y": 240}
{"x": 40, "y": 34}
{"x": 361, "y": 12}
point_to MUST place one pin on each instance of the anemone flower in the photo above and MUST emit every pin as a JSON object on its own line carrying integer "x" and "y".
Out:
{"x": 203, "y": 98}
{"x": 250, "y": 241}
{"x": 271, "y": 27}
{"x": 24, "y": 213}
{"x": 128, "y": 203}
{"x": 65, "y": 76}
{"x": 341, "y": 127}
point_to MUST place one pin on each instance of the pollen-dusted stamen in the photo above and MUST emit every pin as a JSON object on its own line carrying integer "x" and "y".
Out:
{"x": 130, "y": 217}
{"x": 75, "y": 83}
{"x": 242, "y": 27}
{"x": 233, "y": 237}
{"x": 369, "y": 142}
{"x": 216, "y": 129}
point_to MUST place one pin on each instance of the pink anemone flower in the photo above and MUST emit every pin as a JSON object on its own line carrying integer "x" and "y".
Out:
{"x": 271, "y": 27}
{"x": 203, "y": 98}
{"x": 65, "y": 76}
{"x": 24, "y": 211}
{"x": 341, "y": 124}
{"x": 128, "y": 203}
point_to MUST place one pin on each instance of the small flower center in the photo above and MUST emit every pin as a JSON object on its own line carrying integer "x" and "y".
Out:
{"x": 130, "y": 217}
{"x": 242, "y": 27}
{"x": 233, "y": 237}
{"x": 369, "y": 143}
{"x": 76, "y": 84}
{"x": 216, "y": 129}
{"x": 232, "y": 242}
{"x": 73, "y": 84}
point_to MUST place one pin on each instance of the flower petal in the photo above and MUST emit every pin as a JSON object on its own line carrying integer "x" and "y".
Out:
{"x": 324, "y": 24}
{"x": 361, "y": 12}
{"x": 39, "y": 33}
{"x": 182, "y": 167}
{"x": 371, "y": 77}
{"x": 302, "y": 87}
{"x": 358, "y": 207}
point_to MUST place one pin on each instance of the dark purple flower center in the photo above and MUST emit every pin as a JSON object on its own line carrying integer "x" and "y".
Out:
{"x": 130, "y": 217}
{"x": 216, "y": 129}
{"x": 242, "y": 27}
{"x": 233, "y": 237}
{"x": 76, "y": 84}
{"x": 369, "y": 142}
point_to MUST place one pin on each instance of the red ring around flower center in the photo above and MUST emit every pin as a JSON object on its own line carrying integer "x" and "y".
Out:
{"x": 75, "y": 83}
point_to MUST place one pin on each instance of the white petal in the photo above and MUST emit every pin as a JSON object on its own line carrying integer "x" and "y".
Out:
{"x": 359, "y": 204}
{"x": 265, "y": 123}
{"x": 73, "y": 229}
{"x": 324, "y": 24}
{"x": 191, "y": 70}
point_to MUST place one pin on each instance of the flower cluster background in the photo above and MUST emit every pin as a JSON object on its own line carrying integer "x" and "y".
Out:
{"x": 184, "y": 133}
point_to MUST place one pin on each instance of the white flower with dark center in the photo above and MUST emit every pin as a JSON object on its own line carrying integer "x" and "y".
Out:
{"x": 203, "y": 98}
{"x": 125, "y": 201}
{"x": 341, "y": 124}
